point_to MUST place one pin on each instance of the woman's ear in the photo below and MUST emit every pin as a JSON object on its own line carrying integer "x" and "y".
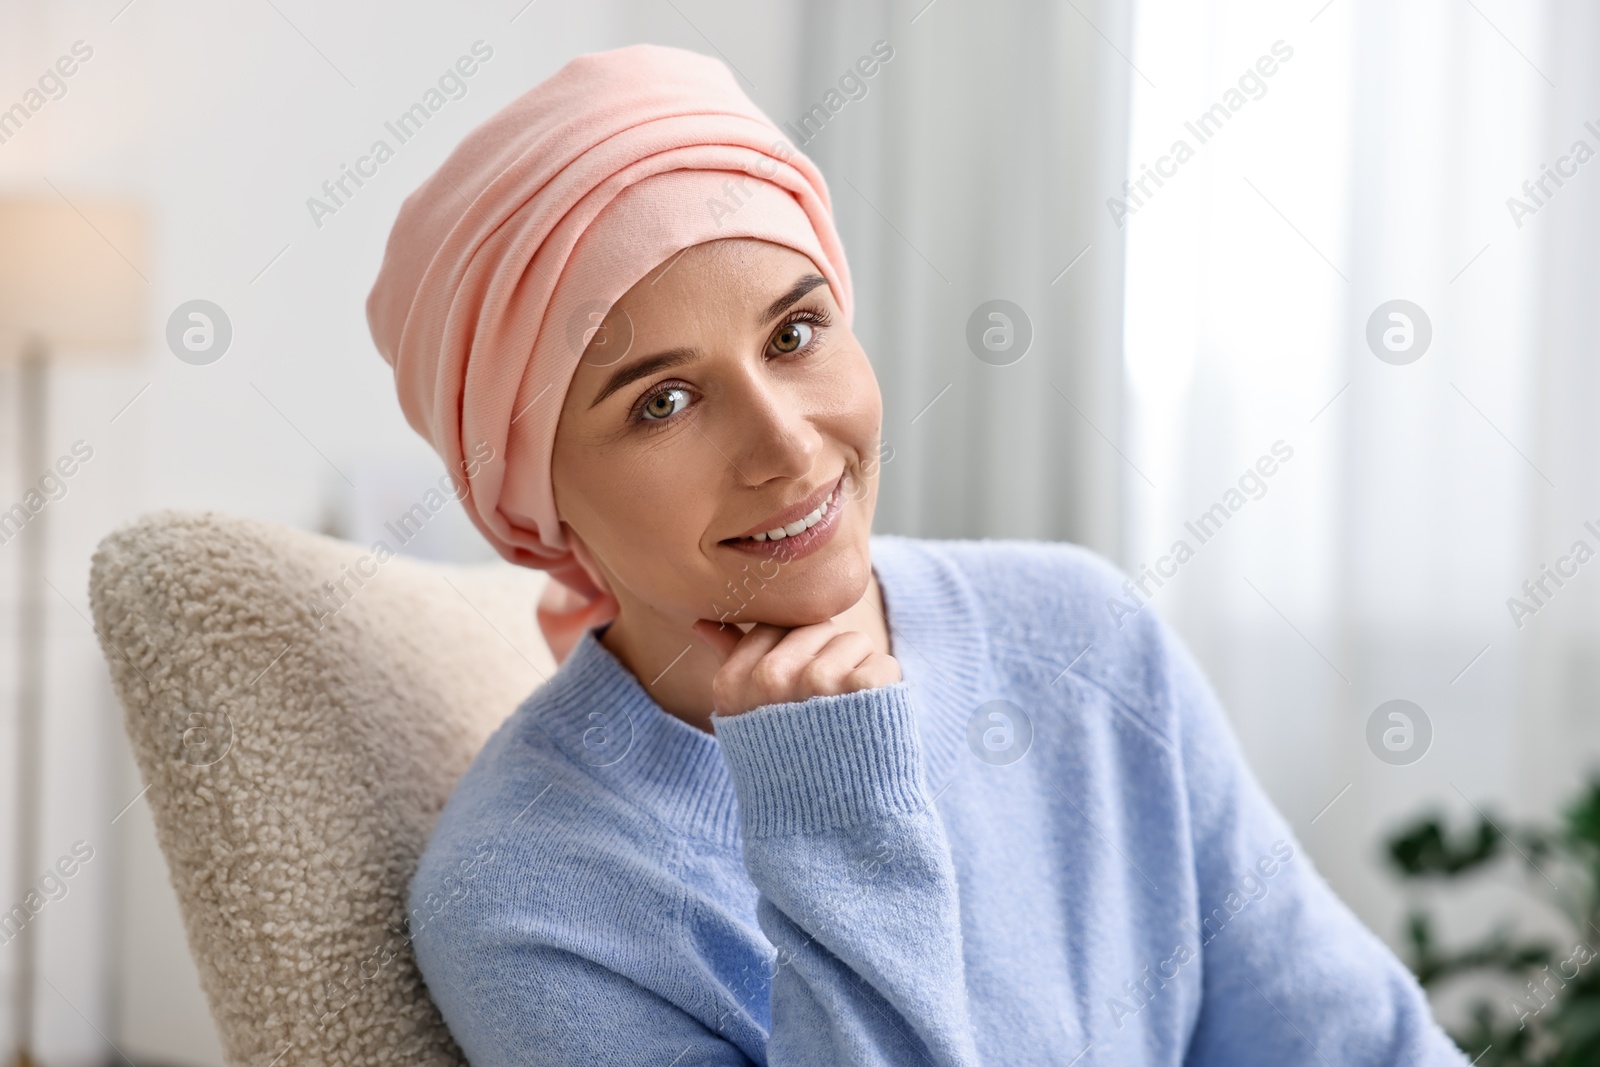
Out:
{"x": 586, "y": 559}
{"x": 565, "y": 612}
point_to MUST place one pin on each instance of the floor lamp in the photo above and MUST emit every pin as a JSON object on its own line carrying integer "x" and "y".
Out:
{"x": 70, "y": 286}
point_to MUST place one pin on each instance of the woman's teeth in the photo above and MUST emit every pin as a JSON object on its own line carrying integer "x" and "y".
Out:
{"x": 797, "y": 526}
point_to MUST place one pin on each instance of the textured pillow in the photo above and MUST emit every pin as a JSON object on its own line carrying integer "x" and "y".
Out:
{"x": 298, "y": 740}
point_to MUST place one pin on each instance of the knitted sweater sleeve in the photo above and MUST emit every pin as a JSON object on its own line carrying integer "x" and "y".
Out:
{"x": 1290, "y": 975}
{"x": 858, "y": 893}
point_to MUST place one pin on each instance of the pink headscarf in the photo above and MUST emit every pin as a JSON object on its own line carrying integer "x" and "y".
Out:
{"x": 500, "y": 266}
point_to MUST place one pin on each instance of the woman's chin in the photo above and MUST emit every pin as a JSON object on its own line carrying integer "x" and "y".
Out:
{"x": 818, "y": 602}
{"x": 789, "y": 619}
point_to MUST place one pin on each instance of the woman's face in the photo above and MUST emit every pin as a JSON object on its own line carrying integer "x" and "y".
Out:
{"x": 721, "y": 398}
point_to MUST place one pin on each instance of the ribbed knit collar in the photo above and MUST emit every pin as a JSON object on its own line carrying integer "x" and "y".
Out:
{"x": 941, "y": 640}
{"x": 596, "y": 711}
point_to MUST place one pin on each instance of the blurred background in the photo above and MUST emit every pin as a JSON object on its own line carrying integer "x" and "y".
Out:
{"x": 1372, "y": 259}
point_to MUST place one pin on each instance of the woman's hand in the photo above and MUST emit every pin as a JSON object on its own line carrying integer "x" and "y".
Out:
{"x": 771, "y": 665}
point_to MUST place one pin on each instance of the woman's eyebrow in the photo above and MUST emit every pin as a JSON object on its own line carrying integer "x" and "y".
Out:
{"x": 672, "y": 357}
{"x": 800, "y": 288}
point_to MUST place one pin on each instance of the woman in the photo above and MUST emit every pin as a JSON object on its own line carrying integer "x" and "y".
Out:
{"x": 799, "y": 794}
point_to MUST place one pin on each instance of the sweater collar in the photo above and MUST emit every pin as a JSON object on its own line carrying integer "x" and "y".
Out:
{"x": 941, "y": 640}
{"x": 596, "y": 711}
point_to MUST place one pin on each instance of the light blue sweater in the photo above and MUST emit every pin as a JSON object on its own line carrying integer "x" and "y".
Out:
{"x": 877, "y": 878}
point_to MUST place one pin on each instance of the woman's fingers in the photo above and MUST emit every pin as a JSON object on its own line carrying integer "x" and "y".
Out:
{"x": 771, "y": 665}
{"x": 876, "y": 670}
{"x": 754, "y": 645}
{"x": 827, "y": 672}
{"x": 776, "y": 670}
{"x": 721, "y": 637}
{"x": 730, "y": 686}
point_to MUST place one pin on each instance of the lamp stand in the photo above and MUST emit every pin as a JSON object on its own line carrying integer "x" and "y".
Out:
{"x": 32, "y": 398}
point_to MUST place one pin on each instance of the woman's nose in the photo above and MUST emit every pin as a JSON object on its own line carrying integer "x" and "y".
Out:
{"x": 771, "y": 432}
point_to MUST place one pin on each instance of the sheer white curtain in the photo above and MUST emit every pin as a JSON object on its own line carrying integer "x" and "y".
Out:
{"x": 974, "y": 171}
{"x": 1373, "y": 164}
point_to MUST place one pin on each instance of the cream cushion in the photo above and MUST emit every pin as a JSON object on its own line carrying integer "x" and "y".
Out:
{"x": 298, "y": 747}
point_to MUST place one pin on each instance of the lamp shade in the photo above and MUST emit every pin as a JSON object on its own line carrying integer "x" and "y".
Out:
{"x": 73, "y": 281}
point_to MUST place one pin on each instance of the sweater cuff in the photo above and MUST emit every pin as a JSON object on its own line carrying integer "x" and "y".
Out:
{"x": 825, "y": 763}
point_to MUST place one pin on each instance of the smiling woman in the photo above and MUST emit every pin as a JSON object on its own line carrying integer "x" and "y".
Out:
{"x": 871, "y": 818}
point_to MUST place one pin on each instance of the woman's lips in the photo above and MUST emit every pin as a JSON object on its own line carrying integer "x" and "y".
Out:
{"x": 811, "y": 529}
{"x": 794, "y": 519}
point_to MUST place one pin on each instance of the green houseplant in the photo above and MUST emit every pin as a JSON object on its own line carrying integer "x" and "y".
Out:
{"x": 1547, "y": 1011}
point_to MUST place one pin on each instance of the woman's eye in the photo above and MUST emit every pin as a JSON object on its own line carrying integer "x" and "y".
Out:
{"x": 793, "y": 337}
{"x": 666, "y": 403}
